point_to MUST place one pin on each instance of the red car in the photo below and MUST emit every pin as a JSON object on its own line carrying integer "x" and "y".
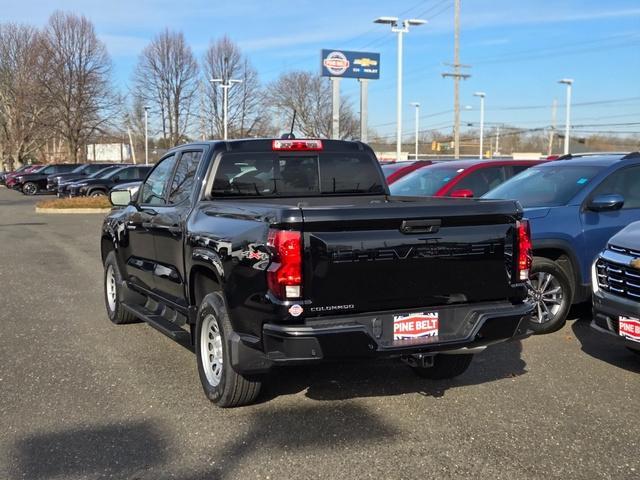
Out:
{"x": 459, "y": 178}
{"x": 10, "y": 178}
{"x": 396, "y": 170}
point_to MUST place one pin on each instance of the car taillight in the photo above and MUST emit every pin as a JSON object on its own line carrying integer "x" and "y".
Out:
{"x": 284, "y": 275}
{"x": 524, "y": 249}
{"x": 297, "y": 145}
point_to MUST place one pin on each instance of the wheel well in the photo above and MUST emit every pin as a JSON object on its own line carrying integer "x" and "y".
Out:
{"x": 563, "y": 260}
{"x": 106, "y": 245}
{"x": 202, "y": 281}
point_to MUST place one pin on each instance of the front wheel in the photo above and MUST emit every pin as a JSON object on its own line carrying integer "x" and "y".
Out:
{"x": 30, "y": 188}
{"x": 550, "y": 292}
{"x": 220, "y": 382}
{"x": 98, "y": 193}
{"x": 445, "y": 366}
{"x": 112, "y": 284}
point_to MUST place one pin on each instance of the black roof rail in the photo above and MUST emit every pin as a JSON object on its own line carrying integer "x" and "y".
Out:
{"x": 565, "y": 157}
{"x": 631, "y": 155}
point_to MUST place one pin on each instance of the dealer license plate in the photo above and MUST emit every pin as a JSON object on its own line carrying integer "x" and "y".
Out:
{"x": 415, "y": 325}
{"x": 629, "y": 328}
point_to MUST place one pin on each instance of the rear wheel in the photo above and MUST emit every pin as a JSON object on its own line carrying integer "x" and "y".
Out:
{"x": 550, "y": 292}
{"x": 445, "y": 366}
{"x": 30, "y": 188}
{"x": 220, "y": 382}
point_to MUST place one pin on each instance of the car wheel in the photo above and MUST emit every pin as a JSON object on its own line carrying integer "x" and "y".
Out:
{"x": 112, "y": 285}
{"x": 445, "y": 366}
{"x": 550, "y": 292}
{"x": 634, "y": 350}
{"x": 30, "y": 188}
{"x": 97, "y": 193}
{"x": 221, "y": 383}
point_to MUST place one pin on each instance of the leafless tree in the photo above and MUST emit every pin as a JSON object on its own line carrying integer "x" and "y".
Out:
{"x": 75, "y": 74}
{"x": 166, "y": 78}
{"x": 310, "y": 96}
{"x": 22, "y": 113}
{"x": 247, "y": 116}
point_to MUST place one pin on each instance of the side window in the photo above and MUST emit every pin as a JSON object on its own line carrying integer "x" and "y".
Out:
{"x": 153, "y": 189}
{"x": 516, "y": 169}
{"x": 482, "y": 180}
{"x": 128, "y": 174}
{"x": 182, "y": 183}
{"x": 625, "y": 182}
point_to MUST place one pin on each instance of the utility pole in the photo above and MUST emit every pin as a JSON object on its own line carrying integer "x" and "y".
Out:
{"x": 225, "y": 83}
{"x": 146, "y": 135}
{"x": 567, "y": 126}
{"x": 497, "y": 152}
{"x": 417, "y": 105}
{"x": 400, "y": 27}
{"x": 456, "y": 75}
{"x": 481, "y": 95}
{"x": 552, "y": 131}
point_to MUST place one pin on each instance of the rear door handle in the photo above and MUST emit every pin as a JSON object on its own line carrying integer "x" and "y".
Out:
{"x": 420, "y": 226}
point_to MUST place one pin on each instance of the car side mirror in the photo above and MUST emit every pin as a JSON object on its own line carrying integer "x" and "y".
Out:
{"x": 607, "y": 202}
{"x": 120, "y": 198}
{"x": 462, "y": 193}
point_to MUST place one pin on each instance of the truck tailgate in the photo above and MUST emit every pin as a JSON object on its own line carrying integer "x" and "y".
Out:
{"x": 407, "y": 253}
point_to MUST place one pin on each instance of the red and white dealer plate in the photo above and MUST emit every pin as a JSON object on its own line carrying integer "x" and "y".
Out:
{"x": 629, "y": 328}
{"x": 415, "y": 325}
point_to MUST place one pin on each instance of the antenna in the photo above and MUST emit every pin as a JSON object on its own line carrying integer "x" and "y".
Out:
{"x": 290, "y": 135}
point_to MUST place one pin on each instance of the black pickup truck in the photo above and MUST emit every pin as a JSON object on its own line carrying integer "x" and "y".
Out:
{"x": 261, "y": 253}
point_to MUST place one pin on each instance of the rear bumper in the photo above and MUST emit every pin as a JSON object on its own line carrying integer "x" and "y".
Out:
{"x": 607, "y": 309}
{"x": 462, "y": 329}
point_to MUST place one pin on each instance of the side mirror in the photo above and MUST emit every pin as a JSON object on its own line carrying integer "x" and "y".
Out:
{"x": 462, "y": 193}
{"x": 607, "y": 202}
{"x": 120, "y": 198}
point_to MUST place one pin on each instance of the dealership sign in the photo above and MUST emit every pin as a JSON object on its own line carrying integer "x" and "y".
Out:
{"x": 347, "y": 64}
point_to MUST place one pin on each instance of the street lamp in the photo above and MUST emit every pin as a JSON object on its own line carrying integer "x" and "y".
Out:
{"x": 399, "y": 27}
{"x": 567, "y": 127}
{"x": 481, "y": 95}
{"x": 226, "y": 85}
{"x": 146, "y": 135}
{"x": 417, "y": 105}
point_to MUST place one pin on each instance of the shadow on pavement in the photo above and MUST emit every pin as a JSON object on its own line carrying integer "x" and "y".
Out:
{"x": 340, "y": 381}
{"x": 603, "y": 347}
{"x": 94, "y": 451}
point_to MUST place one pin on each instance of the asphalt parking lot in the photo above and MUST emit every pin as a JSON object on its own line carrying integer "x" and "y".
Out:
{"x": 82, "y": 398}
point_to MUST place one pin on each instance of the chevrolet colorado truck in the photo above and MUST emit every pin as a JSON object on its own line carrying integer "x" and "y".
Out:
{"x": 265, "y": 253}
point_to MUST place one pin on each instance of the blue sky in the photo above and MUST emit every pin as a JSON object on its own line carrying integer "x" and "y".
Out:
{"x": 517, "y": 49}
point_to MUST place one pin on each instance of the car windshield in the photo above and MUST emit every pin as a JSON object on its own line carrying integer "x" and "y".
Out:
{"x": 79, "y": 169}
{"x": 103, "y": 172}
{"x": 545, "y": 186}
{"x": 111, "y": 174}
{"x": 389, "y": 168}
{"x": 425, "y": 181}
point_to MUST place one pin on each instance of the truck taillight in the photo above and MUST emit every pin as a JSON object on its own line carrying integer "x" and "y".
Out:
{"x": 524, "y": 249}
{"x": 284, "y": 275}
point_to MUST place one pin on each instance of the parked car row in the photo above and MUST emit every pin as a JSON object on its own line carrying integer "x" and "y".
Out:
{"x": 574, "y": 204}
{"x": 72, "y": 180}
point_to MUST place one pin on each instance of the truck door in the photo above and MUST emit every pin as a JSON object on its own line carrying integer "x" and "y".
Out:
{"x": 168, "y": 228}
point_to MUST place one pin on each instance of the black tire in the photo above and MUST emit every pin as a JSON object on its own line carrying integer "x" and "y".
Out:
{"x": 544, "y": 266}
{"x": 445, "y": 366}
{"x": 232, "y": 389}
{"x": 30, "y": 188}
{"x": 634, "y": 350}
{"x": 115, "y": 312}
{"x": 97, "y": 193}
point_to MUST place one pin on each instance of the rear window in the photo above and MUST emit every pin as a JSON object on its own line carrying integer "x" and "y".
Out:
{"x": 425, "y": 181}
{"x": 270, "y": 174}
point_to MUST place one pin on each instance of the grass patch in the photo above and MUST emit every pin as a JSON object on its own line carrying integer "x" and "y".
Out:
{"x": 76, "y": 202}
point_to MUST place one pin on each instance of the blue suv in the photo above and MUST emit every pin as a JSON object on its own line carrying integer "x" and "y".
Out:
{"x": 574, "y": 205}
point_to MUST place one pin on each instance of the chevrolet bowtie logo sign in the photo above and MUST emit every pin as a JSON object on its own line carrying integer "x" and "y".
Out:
{"x": 635, "y": 263}
{"x": 365, "y": 62}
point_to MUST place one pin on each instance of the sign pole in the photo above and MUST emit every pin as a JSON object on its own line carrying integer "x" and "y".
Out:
{"x": 335, "y": 95}
{"x": 364, "y": 109}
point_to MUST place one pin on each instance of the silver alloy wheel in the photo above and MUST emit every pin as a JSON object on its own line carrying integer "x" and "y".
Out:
{"x": 211, "y": 353}
{"x": 111, "y": 287}
{"x": 29, "y": 189}
{"x": 98, "y": 193}
{"x": 545, "y": 292}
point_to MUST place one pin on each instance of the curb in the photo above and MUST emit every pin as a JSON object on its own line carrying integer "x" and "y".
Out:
{"x": 72, "y": 210}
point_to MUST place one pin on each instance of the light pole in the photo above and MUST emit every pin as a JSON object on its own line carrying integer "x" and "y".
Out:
{"x": 481, "y": 95}
{"x": 146, "y": 135}
{"x": 225, "y": 84}
{"x": 417, "y": 105}
{"x": 399, "y": 27}
{"x": 567, "y": 127}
